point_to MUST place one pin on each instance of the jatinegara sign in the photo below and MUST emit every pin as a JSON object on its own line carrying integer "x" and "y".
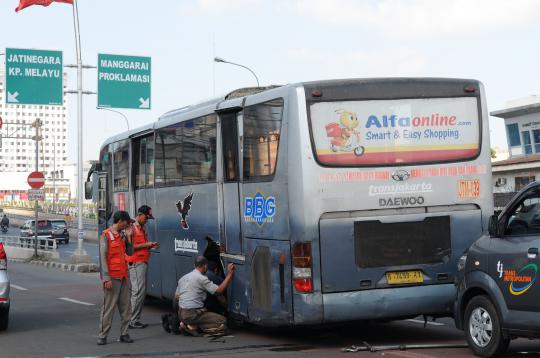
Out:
{"x": 34, "y": 77}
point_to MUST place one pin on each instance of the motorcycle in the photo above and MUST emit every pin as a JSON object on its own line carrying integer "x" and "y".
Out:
{"x": 4, "y": 229}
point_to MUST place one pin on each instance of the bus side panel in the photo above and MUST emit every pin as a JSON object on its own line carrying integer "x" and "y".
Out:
{"x": 153, "y": 288}
{"x": 270, "y": 291}
{"x": 180, "y": 244}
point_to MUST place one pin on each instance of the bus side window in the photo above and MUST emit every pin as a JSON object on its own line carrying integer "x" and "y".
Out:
{"x": 262, "y": 129}
{"x": 229, "y": 134}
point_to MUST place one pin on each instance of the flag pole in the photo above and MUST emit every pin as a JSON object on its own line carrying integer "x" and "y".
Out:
{"x": 80, "y": 256}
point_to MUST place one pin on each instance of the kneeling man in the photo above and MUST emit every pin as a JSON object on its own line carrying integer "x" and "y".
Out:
{"x": 192, "y": 291}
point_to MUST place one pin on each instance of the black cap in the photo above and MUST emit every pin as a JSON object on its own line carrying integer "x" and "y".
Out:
{"x": 146, "y": 210}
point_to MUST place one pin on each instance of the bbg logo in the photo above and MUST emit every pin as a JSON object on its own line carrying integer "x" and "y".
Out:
{"x": 260, "y": 209}
{"x": 401, "y": 175}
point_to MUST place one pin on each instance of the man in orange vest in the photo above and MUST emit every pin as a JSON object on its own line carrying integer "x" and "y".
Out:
{"x": 138, "y": 263}
{"x": 114, "y": 274}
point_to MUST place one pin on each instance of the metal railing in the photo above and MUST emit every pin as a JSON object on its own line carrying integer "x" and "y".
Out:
{"x": 45, "y": 243}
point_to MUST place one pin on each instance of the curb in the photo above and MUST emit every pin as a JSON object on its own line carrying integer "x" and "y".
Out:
{"x": 61, "y": 266}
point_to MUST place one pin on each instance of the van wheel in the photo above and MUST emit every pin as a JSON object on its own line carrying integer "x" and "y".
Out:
{"x": 483, "y": 328}
{"x": 4, "y": 318}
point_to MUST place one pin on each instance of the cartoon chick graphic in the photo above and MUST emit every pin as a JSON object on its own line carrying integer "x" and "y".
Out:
{"x": 344, "y": 136}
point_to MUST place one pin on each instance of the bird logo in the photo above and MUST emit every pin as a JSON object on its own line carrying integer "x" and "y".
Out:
{"x": 183, "y": 207}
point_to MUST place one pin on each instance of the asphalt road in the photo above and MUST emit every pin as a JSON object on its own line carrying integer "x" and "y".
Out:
{"x": 55, "y": 314}
{"x": 65, "y": 251}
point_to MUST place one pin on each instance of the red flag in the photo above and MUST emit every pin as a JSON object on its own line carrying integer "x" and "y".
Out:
{"x": 25, "y": 3}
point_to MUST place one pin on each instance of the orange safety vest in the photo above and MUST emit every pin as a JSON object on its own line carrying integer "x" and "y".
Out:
{"x": 116, "y": 255}
{"x": 139, "y": 237}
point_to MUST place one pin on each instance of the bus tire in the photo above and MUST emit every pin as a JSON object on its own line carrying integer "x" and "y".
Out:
{"x": 483, "y": 328}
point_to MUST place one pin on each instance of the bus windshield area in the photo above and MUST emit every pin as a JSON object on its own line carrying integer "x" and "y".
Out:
{"x": 395, "y": 132}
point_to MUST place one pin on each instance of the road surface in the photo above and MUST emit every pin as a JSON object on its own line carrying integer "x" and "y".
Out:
{"x": 55, "y": 314}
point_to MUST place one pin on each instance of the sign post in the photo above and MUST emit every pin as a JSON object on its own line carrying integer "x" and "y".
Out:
{"x": 124, "y": 81}
{"x": 36, "y": 180}
{"x": 34, "y": 77}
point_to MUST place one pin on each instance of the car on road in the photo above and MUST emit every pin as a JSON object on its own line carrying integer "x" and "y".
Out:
{"x": 4, "y": 290}
{"x": 498, "y": 290}
{"x": 44, "y": 232}
{"x": 60, "y": 230}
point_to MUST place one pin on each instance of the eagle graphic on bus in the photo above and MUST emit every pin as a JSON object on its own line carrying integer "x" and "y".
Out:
{"x": 183, "y": 207}
{"x": 343, "y": 135}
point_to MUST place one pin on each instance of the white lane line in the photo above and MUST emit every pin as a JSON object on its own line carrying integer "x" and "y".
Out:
{"x": 428, "y": 322}
{"x": 75, "y": 301}
{"x": 18, "y": 287}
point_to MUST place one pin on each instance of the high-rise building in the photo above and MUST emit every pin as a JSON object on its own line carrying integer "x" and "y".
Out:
{"x": 17, "y": 150}
{"x": 17, "y": 147}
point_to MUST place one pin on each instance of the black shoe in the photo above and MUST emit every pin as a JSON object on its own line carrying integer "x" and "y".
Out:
{"x": 101, "y": 341}
{"x": 125, "y": 339}
{"x": 165, "y": 323}
{"x": 137, "y": 325}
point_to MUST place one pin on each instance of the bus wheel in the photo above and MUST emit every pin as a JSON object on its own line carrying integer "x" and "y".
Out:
{"x": 483, "y": 328}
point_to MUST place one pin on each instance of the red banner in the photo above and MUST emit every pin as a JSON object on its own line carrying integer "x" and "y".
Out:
{"x": 25, "y": 3}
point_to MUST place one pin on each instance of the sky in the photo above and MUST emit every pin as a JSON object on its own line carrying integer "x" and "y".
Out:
{"x": 284, "y": 41}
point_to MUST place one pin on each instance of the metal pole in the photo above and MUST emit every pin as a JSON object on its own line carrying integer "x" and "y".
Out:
{"x": 118, "y": 112}
{"x": 80, "y": 236}
{"x": 219, "y": 59}
{"x": 36, "y": 202}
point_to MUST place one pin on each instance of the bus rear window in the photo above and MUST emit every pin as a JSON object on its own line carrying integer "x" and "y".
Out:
{"x": 395, "y": 132}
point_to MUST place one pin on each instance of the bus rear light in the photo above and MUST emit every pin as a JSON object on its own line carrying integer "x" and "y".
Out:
{"x": 303, "y": 285}
{"x": 316, "y": 93}
{"x": 469, "y": 89}
{"x": 301, "y": 272}
{"x": 302, "y": 275}
{"x": 302, "y": 254}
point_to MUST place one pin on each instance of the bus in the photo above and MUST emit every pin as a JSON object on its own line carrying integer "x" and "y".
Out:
{"x": 337, "y": 200}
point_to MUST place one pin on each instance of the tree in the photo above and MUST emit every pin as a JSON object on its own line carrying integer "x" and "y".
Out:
{"x": 493, "y": 153}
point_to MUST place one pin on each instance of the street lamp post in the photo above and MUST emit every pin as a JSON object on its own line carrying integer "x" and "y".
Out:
{"x": 219, "y": 59}
{"x": 118, "y": 112}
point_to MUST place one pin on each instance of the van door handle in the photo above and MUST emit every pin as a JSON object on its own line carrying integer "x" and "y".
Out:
{"x": 532, "y": 253}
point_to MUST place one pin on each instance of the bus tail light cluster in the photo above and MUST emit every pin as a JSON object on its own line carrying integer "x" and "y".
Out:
{"x": 302, "y": 274}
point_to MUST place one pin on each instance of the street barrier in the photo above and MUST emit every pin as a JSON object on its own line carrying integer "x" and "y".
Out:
{"x": 23, "y": 247}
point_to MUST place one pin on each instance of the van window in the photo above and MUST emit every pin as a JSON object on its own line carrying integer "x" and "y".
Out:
{"x": 185, "y": 152}
{"x": 525, "y": 217}
{"x": 121, "y": 166}
{"x": 262, "y": 130}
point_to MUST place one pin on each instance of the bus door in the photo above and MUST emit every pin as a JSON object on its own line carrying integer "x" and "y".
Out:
{"x": 103, "y": 205}
{"x": 143, "y": 184}
{"x": 230, "y": 193}
{"x": 230, "y": 187}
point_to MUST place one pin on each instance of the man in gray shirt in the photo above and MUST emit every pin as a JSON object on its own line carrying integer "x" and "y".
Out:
{"x": 191, "y": 293}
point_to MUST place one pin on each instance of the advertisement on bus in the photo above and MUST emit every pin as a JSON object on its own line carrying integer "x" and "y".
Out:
{"x": 395, "y": 132}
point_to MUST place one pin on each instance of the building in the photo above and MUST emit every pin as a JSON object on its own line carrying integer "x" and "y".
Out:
{"x": 17, "y": 148}
{"x": 522, "y": 123}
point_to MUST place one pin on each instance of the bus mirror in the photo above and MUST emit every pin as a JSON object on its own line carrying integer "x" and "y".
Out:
{"x": 493, "y": 226}
{"x": 88, "y": 190}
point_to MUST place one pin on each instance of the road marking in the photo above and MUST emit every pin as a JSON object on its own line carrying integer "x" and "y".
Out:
{"x": 75, "y": 301}
{"x": 428, "y": 322}
{"x": 18, "y": 287}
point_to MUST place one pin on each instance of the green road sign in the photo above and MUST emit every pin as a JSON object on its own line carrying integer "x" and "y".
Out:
{"x": 34, "y": 77}
{"x": 124, "y": 81}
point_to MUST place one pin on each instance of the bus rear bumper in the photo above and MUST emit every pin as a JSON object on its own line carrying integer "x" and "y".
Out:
{"x": 389, "y": 303}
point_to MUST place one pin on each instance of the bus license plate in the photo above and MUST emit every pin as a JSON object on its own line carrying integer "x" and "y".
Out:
{"x": 396, "y": 278}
